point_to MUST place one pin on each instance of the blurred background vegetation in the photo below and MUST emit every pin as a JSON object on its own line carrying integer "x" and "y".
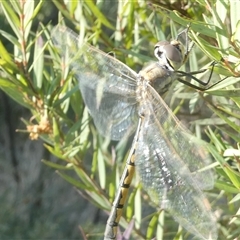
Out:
{"x": 41, "y": 99}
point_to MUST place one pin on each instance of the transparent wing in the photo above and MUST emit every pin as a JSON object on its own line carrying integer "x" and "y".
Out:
{"x": 179, "y": 140}
{"x": 108, "y": 86}
{"x": 166, "y": 160}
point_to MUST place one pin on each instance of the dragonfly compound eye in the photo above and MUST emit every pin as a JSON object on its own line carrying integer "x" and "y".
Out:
{"x": 170, "y": 54}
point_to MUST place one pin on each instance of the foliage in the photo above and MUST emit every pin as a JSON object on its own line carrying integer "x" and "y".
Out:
{"x": 31, "y": 73}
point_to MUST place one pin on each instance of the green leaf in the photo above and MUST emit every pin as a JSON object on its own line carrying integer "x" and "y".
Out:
{"x": 231, "y": 124}
{"x": 85, "y": 178}
{"x": 209, "y": 50}
{"x": 38, "y": 63}
{"x": 234, "y": 19}
{"x": 73, "y": 181}
{"x": 97, "y": 13}
{"x": 233, "y": 176}
{"x": 28, "y": 10}
{"x": 14, "y": 91}
{"x": 37, "y": 8}
{"x": 56, "y": 165}
{"x": 96, "y": 197}
{"x": 12, "y": 18}
{"x": 54, "y": 151}
{"x": 160, "y": 226}
{"x": 137, "y": 208}
{"x": 152, "y": 226}
{"x": 222, "y": 185}
{"x": 6, "y": 61}
{"x": 196, "y": 26}
{"x": 64, "y": 9}
{"x": 235, "y": 199}
{"x": 57, "y": 138}
{"x": 223, "y": 84}
{"x": 219, "y": 17}
{"x": 130, "y": 205}
{"x": 101, "y": 169}
{"x": 231, "y": 134}
{"x": 111, "y": 191}
{"x": 225, "y": 93}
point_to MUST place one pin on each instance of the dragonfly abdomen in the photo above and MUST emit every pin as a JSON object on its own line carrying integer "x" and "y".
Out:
{"x": 120, "y": 198}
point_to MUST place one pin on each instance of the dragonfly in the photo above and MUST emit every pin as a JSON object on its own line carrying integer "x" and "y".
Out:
{"x": 167, "y": 156}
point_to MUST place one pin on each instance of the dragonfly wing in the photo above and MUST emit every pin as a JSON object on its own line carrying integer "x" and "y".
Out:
{"x": 166, "y": 174}
{"x": 107, "y": 85}
{"x": 181, "y": 141}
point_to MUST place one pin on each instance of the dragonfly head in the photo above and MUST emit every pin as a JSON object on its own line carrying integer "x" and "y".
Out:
{"x": 170, "y": 54}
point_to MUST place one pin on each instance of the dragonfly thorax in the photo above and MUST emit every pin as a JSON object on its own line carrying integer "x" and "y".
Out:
{"x": 158, "y": 76}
